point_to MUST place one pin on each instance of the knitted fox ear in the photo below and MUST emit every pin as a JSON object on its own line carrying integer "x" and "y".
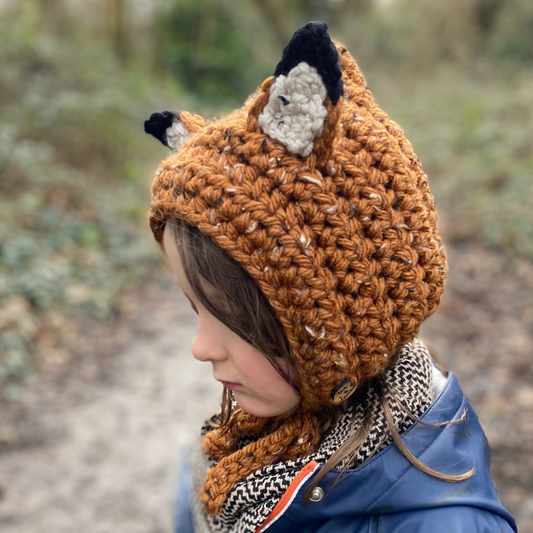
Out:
{"x": 299, "y": 104}
{"x": 172, "y": 128}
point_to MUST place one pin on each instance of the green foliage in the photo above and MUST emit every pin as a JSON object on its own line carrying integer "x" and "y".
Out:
{"x": 474, "y": 142}
{"x": 422, "y": 33}
{"x": 74, "y": 170}
{"x": 512, "y": 36}
{"x": 207, "y": 46}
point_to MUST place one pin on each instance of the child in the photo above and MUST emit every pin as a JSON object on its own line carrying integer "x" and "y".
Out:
{"x": 302, "y": 229}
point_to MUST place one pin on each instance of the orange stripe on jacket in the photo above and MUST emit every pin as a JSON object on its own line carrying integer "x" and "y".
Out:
{"x": 289, "y": 495}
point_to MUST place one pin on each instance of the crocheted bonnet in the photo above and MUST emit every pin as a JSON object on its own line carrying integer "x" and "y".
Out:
{"x": 319, "y": 196}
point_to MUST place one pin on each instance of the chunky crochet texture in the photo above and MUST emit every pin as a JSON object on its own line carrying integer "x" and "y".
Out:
{"x": 250, "y": 502}
{"x": 343, "y": 242}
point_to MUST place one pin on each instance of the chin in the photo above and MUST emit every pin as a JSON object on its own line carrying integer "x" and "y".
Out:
{"x": 257, "y": 408}
{"x": 254, "y": 410}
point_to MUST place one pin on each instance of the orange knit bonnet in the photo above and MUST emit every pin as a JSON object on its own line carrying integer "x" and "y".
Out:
{"x": 319, "y": 196}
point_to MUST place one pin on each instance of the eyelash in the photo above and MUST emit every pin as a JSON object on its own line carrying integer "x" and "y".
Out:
{"x": 192, "y": 305}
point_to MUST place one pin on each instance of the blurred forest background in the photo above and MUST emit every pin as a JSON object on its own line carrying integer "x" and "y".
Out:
{"x": 78, "y": 78}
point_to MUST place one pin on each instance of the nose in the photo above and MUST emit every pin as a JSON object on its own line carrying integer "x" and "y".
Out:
{"x": 206, "y": 345}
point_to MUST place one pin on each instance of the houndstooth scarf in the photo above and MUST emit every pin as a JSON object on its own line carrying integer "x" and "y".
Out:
{"x": 252, "y": 499}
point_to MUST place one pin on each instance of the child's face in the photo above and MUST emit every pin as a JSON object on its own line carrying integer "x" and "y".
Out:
{"x": 261, "y": 390}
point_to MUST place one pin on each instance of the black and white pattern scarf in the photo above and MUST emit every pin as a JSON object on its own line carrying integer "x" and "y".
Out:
{"x": 252, "y": 499}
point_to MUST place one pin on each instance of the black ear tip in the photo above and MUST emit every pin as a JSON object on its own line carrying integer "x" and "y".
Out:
{"x": 318, "y": 26}
{"x": 316, "y": 30}
{"x": 313, "y": 45}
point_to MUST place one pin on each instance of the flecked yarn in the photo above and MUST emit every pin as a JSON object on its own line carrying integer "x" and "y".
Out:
{"x": 251, "y": 500}
{"x": 344, "y": 243}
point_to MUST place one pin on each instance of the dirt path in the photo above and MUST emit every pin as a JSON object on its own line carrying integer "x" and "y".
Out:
{"x": 109, "y": 447}
{"x": 104, "y": 453}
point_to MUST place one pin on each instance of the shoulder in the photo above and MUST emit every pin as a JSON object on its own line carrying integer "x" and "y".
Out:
{"x": 387, "y": 493}
{"x": 456, "y": 518}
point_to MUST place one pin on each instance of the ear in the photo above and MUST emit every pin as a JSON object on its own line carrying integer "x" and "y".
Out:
{"x": 172, "y": 128}
{"x": 301, "y": 103}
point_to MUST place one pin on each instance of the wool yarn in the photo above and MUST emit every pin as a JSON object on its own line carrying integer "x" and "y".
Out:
{"x": 320, "y": 197}
{"x": 251, "y": 500}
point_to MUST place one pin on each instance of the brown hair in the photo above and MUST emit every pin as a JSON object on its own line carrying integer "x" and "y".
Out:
{"x": 230, "y": 294}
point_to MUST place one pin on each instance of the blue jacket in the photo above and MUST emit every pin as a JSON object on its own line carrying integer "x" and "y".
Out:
{"x": 389, "y": 495}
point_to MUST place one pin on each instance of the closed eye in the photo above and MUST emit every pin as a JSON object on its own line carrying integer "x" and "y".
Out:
{"x": 284, "y": 100}
{"x": 194, "y": 308}
{"x": 192, "y": 305}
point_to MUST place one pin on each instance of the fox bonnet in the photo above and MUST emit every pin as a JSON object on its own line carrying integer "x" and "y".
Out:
{"x": 319, "y": 196}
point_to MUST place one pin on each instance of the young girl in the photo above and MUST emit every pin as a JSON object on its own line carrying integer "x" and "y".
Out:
{"x": 303, "y": 232}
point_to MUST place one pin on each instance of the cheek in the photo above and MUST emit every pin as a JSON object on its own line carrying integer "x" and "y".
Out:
{"x": 259, "y": 369}
{"x": 262, "y": 375}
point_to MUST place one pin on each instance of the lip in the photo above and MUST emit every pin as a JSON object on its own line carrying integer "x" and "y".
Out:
{"x": 229, "y": 385}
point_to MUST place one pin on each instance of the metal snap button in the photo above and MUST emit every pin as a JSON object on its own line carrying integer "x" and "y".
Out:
{"x": 317, "y": 494}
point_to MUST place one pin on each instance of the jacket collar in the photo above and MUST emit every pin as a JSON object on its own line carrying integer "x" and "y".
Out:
{"x": 388, "y": 483}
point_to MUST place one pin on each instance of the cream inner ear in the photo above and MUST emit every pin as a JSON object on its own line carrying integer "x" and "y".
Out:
{"x": 176, "y": 135}
{"x": 296, "y": 111}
